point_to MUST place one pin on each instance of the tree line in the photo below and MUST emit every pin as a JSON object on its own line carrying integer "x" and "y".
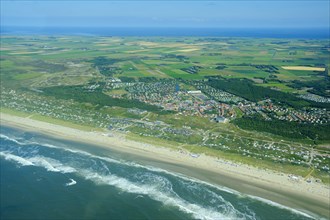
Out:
{"x": 287, "y": 129}
{"x": 246, "y": 89}
{"x": 97, "y": 98}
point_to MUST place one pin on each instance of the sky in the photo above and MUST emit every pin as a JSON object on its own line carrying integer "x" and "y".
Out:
{"x": 219, "y": 14}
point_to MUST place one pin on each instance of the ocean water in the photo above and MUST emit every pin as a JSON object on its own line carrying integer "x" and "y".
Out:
{"x": 46, "y": 178}
{"x": 303, "y": 33}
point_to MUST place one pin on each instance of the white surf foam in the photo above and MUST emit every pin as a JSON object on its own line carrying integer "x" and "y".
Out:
{"x": 189, "y": 179}
{"x": 11, "y": 139}
{"x": 108, "y": 159}
{"x": 40, "y": 161}
{"x": 156, "y": 193}
{"x": 20, "y": 160}
{"x": 158, "y": 170}
{"x": 186, "y": 178}
{"x": 281, "y": 206}
{"x": 49, "y": 145}
{"x": 126, "y": 163}
{"x": 149, "y": 168}
{"x": 72, "y": 182}
{"x": 55, "y": 166}
{"x": 52, "y": 164}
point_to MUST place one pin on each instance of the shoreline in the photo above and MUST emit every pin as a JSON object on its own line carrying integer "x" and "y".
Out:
{"x": 311, "y": 197}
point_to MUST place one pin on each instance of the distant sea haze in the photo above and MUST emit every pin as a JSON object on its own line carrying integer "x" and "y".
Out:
{"x": 306, "y": 33}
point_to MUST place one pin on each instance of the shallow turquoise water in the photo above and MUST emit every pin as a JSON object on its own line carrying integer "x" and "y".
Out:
{"x": 44, "y": 178}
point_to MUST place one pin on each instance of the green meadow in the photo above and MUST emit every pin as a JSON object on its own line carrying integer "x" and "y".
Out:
{"x": 28, "y": 57}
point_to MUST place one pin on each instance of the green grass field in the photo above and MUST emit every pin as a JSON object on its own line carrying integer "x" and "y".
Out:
{"x": 141, "y": 57}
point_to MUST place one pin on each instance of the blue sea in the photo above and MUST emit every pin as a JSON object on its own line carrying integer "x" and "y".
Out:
{"x": 302, "y": 33}
{"x": 48, "y": 178}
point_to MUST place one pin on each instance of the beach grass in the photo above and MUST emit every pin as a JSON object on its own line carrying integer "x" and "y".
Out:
{"x": 49, "y": 120}
{"x": 257, "y": 163}
{"x": 64, "y": 123}
{"x": 14, "y": 112}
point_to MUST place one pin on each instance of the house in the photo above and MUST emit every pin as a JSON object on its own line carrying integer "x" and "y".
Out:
{"x": 195, "y": 92}
{"x": 220, "y": 119}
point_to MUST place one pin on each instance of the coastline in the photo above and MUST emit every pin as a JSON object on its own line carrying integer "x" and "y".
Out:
{"x": 274, "y": 186}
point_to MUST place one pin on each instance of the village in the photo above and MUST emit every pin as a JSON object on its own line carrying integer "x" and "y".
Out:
{"x": 187, "y": 103}
{"x": 206, "y": 101}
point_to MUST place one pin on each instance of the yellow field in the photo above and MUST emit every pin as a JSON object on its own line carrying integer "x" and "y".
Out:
{"x": 148, "y": 44}
{"x": 102, "y": 44}
{"x": 307, "y": 68}
{"x": 188, "y": 50}
{"x": 26, "y": 52}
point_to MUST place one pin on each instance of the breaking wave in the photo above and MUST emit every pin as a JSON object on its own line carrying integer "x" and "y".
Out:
{"x": 197, "y": 198}
{"x": 275, "y": 204}
{"x": 154, "y": 186}
{"x": 72, "y": 182}
{"x": 19, "y": 160}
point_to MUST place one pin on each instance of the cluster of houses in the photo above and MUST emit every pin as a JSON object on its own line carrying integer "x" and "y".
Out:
{"x": 55, "y": 108}
{"x": 217, "y": 94}
{"x": 315, "y": 98}
{"x": 213, "y": 103}
{"x": 312, "y": 116}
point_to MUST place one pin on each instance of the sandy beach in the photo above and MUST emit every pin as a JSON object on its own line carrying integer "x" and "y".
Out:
{"x": 278, "y": 187}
